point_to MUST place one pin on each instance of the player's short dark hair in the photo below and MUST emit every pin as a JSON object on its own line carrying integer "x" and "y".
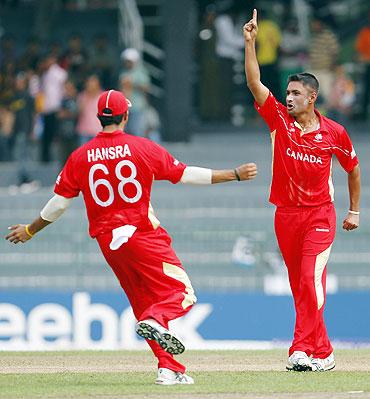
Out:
{"x": 307, "y": 79}
{"x": 110, "y": 120}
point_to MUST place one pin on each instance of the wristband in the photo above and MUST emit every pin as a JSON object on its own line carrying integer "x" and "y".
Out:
{"x": 28, "y": 231}
{"x": 353, "y": 212}
{"x": 237, "y": 174}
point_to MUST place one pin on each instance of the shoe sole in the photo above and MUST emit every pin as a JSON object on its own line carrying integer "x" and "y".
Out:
{"x": 164, "y": 383}
{"x": 172, "y": 383}
{"x": 166, "y": 341}
{"x": 330, "y": 367}
{"x": 326, "y": 369}
{"x": 299, "y": 368}
{"x": 302, "y": 368}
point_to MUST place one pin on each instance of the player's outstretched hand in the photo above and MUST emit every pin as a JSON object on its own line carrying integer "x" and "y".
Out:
{"x": 18, "y": 234}
{"x": 250, "y": 29}
{"x": 247, "y": 171}
{"x": 351, "y": 222}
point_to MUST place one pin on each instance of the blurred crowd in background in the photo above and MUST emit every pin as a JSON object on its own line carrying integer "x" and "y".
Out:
{"x": 52, "y": 95}
{"x": 49, "y": 90}
{"x": 293, "y": 36}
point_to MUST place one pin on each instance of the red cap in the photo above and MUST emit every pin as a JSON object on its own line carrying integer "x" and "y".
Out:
{"x": 112, "y": 103}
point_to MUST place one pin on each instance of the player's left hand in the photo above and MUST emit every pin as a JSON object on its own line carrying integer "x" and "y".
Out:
{"x": 247, "y": 171}
{"x": 351, "y": 222}
{"x": 18, "y": 234}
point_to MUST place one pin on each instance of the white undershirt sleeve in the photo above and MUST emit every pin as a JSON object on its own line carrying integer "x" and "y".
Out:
{"x": 196, "y": 175}
{"x": 55, "y": 208}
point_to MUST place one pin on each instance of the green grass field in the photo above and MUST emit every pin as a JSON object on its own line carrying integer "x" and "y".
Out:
{"x": 217, "y": 374}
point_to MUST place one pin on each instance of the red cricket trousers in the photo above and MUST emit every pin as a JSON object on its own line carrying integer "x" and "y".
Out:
{"x": 305, "y": 236}
{"x": 154, "y": 281}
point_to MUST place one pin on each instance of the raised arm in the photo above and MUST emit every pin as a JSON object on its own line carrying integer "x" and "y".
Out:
{"x": 352, "y": 220}
{"x": 252, "y": 70}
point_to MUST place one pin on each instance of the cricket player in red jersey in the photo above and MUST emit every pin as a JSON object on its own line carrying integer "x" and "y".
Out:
{"x": 115, "y": 172}
{"x": 303, "y": 143}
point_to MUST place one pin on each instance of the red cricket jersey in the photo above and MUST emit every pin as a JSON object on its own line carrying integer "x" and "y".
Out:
{"x": 114, "y": 172}
{"x": 302, "y": 164}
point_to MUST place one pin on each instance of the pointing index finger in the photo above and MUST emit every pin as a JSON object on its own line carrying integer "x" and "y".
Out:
{"x": 254, "y": 18}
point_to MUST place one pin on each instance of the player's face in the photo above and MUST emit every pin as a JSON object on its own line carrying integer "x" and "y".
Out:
{"x": 298, "y": 98}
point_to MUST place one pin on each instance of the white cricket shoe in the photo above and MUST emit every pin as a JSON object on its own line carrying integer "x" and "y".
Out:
{"x": 299, "y": 361}
{"x": 323, "y": 364}
{"x": 150, "y": 329}
{"x": 169, "y": 377}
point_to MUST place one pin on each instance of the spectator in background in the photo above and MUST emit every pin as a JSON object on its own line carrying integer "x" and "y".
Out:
{"x": 6, "y": 126}
{"x": 30, "y": 58}
{"x": 7, "y": 50}
{"x": 75, "y": 60}
{"x": 35, "y": 91}
{"x": 34, "y": 85}
{"x": 293, "y": 50}
{"x": 23, "y": 107}
{"x": 88, "y": 125}
{"x": 102, "y": 60}
{"x": 268, "y": 43}
{"x": 153, "y": 124}
{"x": 211, "y": 106}
{"x": 7, "y": 77}
{"x": 56, "y": 49}
{"x": 52, "y": 88}
{"x": 323, "y": 56}
{"x": 134, "y": 84}
{"x": 229, "y": 43}
{"x": 68, "y": 114}
{"x": 363, "y": 49}
{"x": 342, "y": 96}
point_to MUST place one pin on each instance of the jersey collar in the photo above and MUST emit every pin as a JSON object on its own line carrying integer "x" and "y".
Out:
{"x": 112, "y": 134}
{"x": 323, "y": 126}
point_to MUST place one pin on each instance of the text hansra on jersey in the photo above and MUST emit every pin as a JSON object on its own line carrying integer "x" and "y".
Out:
{"x": 101, "y": 154}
